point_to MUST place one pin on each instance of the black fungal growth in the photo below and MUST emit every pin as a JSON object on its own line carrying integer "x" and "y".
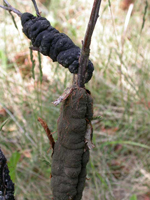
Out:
{"x": 50, "y": 42}
{"x": 6, "y": 184}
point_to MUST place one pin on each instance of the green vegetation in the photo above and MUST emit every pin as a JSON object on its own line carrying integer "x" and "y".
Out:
{"x": 119, "y": 167}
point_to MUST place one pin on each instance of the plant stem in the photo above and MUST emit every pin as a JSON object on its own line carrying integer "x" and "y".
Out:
{"x": 36, "y": 8}
{"x": 85, "y": 52}
{"x": 10, "y": 8}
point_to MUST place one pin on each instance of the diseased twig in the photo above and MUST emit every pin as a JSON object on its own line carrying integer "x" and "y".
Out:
{"x": 48, "y": 132}
{"x": 34, "y": 48}
{"x": 36, "y": 8}
{"x": 84, "y": 57}
{"x": 6, "y": 2}
{"x": 10, "y": 8}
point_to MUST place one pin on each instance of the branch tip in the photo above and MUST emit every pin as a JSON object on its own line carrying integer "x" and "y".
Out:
{"x": 10, "y": 8}
{"x": 85, "y": 52}
{"x": 36, "y": 8}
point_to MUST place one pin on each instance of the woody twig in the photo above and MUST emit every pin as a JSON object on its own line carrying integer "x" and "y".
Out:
{"x": 85, "y": 52}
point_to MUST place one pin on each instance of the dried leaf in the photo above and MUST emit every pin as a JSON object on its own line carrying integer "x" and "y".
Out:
{"x": 48, "y": 132}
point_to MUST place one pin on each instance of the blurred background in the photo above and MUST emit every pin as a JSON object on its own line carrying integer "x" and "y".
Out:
{"x": 119, "y": 166}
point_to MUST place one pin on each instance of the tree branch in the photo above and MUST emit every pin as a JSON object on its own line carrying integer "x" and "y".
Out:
{"x": 85, "y": 52}
{"x": 36, "y": 8}
{"x": 10, "y": 8}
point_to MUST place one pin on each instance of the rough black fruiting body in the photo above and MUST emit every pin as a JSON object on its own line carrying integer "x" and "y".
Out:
{"x": 70, "y": 152}
{"x": 6, "y": 184}
{"x": 9, "y": 185}
{"x": 58, "y": 46}
{"x": 2, "y": 164}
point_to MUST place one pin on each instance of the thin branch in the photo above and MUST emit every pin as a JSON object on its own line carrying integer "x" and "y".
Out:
{"x": 10, "y": 8}
{"x": 5, "y": 2}
{"x": 34, "y": 48}
{"x": 85, "y": 52}
{"x": 36, "y": 8}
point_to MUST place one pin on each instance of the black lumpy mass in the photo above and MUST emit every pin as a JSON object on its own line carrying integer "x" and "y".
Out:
{"x": 50, "y": 42}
